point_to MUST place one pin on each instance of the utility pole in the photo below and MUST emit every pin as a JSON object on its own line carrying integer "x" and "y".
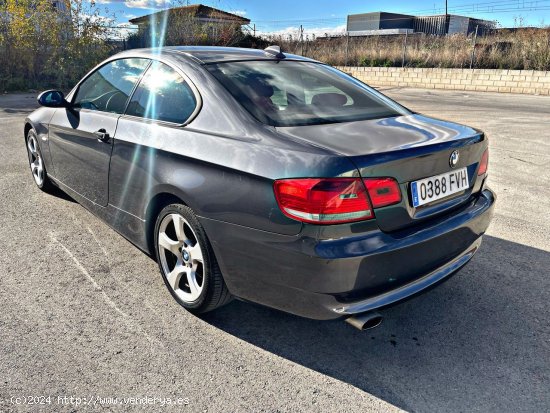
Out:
{"x": 347, "y": 48}
{"x": 447, "y": 19}
{"x": 301, "y": 40}
{"x": 472, "y": 59}
{"x": 404, "y": 49}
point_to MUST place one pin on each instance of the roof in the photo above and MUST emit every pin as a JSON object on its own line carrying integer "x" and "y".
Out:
{"x": 380, "y": 13}
{"x": 197, "y": 11}
{"x": 374, "y": 13}
{"x": 452, "y": 15}
{"x": 210, "y": 54}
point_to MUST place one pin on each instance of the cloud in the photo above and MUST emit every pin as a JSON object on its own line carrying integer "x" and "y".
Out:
{"x": 146, "y": 4}
{"x": 308, "y": 32}
{"x": 96, "y": 18}
{"x": 122, "y": 31}
{"x": 239, "y": 12}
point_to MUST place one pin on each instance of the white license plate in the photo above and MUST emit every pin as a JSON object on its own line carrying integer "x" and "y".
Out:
{"x": 439, "y": 186}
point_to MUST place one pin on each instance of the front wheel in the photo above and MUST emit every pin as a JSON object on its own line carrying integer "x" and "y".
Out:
{"x": 36, "y": 161}
{"x": 187, "y": 262}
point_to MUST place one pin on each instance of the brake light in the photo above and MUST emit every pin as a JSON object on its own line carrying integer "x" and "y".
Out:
{"x": 323, "y": 200}
{"x": 484, "y": 163}
{"x": 383, "y": 191}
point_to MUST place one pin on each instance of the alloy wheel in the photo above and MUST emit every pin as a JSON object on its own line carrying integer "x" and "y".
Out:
{"x": 35, "y": 159}
{"x": 181, "y": 257}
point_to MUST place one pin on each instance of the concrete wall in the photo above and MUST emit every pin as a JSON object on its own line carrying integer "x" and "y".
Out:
{"x": 485, "y": 80}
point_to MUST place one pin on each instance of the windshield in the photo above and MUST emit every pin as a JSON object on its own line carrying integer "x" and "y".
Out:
{"x": 290, "y": 93}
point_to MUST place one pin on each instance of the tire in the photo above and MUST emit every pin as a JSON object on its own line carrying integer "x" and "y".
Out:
{"x": 36, "y": 162}
{"x": 187, "y": 262}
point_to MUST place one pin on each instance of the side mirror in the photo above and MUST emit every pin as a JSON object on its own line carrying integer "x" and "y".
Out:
{"x": 52, "y": 99}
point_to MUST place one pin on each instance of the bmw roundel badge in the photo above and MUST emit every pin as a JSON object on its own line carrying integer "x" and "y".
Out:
{"x": 453, "y": 160}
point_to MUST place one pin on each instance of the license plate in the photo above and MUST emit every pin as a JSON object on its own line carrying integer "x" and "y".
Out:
{"x": 439, "y": 186}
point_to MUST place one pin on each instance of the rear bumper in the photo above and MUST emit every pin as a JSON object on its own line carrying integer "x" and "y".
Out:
{"x": 408, "y": 290}
{"x": 327, "y": 279}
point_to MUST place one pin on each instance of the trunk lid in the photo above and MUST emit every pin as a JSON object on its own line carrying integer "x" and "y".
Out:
{"x": 407, "y": 148}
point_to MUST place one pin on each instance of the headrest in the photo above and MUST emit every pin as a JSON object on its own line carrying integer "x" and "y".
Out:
{"x": 329, "y": 99}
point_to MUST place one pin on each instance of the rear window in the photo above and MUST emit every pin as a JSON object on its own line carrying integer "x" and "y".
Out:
{"x": 290, "y": 93}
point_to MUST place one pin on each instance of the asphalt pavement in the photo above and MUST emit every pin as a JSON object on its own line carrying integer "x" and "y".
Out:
{"x": 84, "y": 314}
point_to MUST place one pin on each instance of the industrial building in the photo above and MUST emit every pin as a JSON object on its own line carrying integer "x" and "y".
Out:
{"x": 382, "y": 23}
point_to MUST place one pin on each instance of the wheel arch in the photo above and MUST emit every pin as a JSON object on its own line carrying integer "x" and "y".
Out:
{"x": 41, "y": 132}
{"x": 28, "y": 127}
{"x": 154, "y": 206}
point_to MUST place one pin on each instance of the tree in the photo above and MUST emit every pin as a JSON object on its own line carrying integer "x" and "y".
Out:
{"x": 43, "y": 46}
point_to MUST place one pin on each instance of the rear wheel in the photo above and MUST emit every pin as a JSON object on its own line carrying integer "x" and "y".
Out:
{"x": 187, "y": 262}
{"x": 38, "y": 169}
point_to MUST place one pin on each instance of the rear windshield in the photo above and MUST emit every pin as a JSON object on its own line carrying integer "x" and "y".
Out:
{"x": 290, "y": 93}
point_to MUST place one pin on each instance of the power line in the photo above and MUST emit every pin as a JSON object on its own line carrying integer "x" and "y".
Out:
{"x": 488, "y": 8}
{"x": 521, "y": 4}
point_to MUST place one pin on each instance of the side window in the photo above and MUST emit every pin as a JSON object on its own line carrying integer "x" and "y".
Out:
{"x": 109, "y": 87}
{"x": 163, "y": 95}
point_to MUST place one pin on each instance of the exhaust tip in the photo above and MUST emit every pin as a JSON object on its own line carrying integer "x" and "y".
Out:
{"x": 365, "y": 321}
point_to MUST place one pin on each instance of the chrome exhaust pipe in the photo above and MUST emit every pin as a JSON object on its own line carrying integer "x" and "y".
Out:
{"x": 365, "y": 321}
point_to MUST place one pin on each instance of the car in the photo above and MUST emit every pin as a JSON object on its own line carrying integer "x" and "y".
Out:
{"x": 268, "y": 177}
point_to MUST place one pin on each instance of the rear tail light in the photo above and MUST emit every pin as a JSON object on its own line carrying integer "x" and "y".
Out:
{"x": 383, "y": 191}
{"x": 323, "y": 201}
{"x": 334, "y": 200}
{"x": 484, "y": 163}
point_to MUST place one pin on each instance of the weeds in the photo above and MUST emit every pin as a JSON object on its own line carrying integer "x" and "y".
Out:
{"x": 527, "y": 49}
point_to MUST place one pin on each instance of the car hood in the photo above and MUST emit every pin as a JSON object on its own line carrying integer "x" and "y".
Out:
{"x": 379, "y": 135}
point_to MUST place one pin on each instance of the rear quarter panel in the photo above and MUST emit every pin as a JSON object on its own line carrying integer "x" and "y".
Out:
{"x": 225, "y": 178}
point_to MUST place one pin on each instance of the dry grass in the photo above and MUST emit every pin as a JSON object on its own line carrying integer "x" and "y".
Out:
{"x": 523, "y": 49}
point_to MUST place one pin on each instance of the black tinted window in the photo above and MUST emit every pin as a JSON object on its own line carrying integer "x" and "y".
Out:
{"x": 288, "y": 93}
{"x": 108, "y": 88}
{"x": 163, "y": 95}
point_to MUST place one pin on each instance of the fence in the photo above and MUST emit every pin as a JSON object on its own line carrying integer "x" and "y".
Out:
{"x": 485, "y": 80}
{"x": 527, "y": 49}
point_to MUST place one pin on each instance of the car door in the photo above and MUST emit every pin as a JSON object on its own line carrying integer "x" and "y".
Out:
{"x": 81, "y": 135}
{"x": 149, "y": 133}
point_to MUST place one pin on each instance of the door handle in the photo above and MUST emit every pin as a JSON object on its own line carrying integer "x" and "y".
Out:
{"x": 102, "y": 135}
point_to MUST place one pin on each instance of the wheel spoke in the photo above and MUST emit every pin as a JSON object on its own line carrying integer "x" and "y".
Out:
{"x": 189, "y": 242}
{"x": 175, "y": 275}
{"x": 169, "y": 244}
{"x": 196, "y": 253}
{"x": 192, "y": 282}
{"x": 30, "y": 145}
{"x": 179, "y": 222}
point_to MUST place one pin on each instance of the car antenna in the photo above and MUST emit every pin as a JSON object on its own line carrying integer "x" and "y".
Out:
{"x": 274, "y": 51}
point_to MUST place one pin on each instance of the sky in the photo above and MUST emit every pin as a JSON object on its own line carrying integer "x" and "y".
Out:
{"x": 324, "y": 16}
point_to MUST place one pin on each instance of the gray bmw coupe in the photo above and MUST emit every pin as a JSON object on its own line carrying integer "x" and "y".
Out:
{"x": 268, "y": 177}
